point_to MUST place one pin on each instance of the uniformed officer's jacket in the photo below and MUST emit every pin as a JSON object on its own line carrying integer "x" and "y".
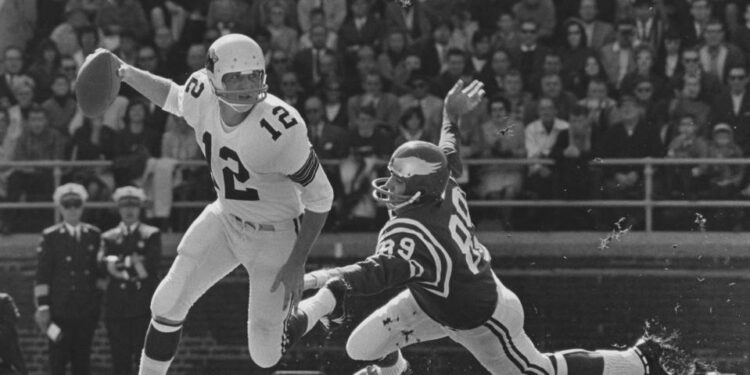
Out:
{"x": 132, "y": 296}
{"x": 68, "y": 271}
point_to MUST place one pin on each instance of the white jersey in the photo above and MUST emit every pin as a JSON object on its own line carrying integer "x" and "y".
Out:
{"x": 258, "y": 166}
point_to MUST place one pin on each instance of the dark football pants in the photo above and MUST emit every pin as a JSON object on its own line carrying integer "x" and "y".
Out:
{"x": 74, "y": 347}
{"x": 126, "y": 338}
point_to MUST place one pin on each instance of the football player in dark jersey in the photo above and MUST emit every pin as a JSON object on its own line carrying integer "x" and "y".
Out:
{"x": 430, "y": 247}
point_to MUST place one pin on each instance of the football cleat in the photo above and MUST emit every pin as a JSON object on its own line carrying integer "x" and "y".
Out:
{"x": 377, "y": 370}
{"x": 340, "y": 290}
{"x": 294, "y": 329}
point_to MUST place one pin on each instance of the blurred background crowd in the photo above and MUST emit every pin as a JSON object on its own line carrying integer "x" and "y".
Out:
{"x": 567, "y": 80}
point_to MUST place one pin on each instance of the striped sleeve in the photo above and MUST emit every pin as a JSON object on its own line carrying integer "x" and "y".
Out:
{"x": 305, "y": 174}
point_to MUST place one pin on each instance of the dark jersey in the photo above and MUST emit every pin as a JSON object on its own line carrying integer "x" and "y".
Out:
{"x": 432, "y": 249}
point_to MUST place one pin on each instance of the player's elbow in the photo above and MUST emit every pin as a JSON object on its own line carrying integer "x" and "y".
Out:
{"x": 318, "y": 195}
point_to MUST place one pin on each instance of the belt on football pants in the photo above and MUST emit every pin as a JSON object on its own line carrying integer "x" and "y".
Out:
{"x": 286, "y": 225}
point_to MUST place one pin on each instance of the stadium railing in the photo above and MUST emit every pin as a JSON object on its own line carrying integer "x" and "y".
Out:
{"x": 648, "y": 203}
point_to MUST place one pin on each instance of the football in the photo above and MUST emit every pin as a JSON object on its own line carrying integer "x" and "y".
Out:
{"x": 98, "y": 84}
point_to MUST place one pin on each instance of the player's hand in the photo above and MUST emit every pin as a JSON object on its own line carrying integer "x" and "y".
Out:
{"x": 122, "y": 71}
{"x": 463, "y": 98}
{"x": 42, "y": 317}
{"x": 291, "y": 275}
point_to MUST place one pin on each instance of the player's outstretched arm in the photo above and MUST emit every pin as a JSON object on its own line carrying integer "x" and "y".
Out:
{"x": 460, "y": 100}
{"x": 153, "y": 87}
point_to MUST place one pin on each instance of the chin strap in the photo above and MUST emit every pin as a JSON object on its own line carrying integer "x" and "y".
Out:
{"x": 407, "y": 202}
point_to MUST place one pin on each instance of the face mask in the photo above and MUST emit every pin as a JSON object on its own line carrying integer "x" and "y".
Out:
{"x": 238, "y": 107}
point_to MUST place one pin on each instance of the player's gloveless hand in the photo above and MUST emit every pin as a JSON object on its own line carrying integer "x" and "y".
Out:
{"x": 42, "y": 317}
{"x": 291, "y": 275}
{"x": 463, "y": 98}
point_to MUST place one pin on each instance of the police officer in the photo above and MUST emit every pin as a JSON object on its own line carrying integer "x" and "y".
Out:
{"x": 130, "y": 253}
{"x": 66, "y": 290}
{"x": 11, "y": 359}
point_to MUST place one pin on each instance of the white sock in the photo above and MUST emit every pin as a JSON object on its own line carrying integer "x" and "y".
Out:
{"x": 317, "y": 306}
{"x": 150, "y": 366}
{"x": 625, "y": 362}
{"x": 397, "y": 368}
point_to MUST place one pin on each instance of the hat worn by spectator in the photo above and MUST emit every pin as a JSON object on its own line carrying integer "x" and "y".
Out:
{"x": 70, "y": 191}
{"x": 723, "y": 128}
{"x": 129, "y": 196}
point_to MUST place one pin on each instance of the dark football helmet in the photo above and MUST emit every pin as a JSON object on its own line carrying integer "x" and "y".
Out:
{"x": 422, "y": 167}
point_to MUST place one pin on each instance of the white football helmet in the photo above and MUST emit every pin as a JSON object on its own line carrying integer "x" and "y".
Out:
{"x": 240, "y": 54}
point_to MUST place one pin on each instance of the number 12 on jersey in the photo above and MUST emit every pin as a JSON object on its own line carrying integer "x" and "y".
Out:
{"x": 241, "y": 175}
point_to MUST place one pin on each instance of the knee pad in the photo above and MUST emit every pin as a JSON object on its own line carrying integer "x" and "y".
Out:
{"x": 167, "y": 295}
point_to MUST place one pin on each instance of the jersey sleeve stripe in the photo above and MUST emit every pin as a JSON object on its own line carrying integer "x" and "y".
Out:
{"x": 305, "y": 175}
{"x": 443, "y": 262}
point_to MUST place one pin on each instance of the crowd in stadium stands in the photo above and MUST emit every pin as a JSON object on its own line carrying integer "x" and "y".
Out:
{"x": 567, "y": 80}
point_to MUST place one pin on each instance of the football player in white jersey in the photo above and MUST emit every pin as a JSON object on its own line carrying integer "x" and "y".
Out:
{"x": 266, "y": 176}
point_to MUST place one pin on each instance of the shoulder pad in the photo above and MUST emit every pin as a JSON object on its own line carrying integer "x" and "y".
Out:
{"x": 147, "y": 230}
{"x": 52, "y": 229}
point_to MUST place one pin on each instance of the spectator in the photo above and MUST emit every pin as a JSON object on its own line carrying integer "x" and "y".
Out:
{"x": 464, "y": 28}
{"x": 724, "y": 181}
{"x": 552, "y": 89}
{"x": 168, "y": 53}
{"x": 681, "y": 180}
{"x": 598, "y": 103}
{"x": 668, "y": 61}
{"x": 134, "y": 145}
{"x": 598, "y": 33}
{"x": 716, "y": 55}
{"x": 307, "y": 62}
{"x": 127, "y": 50}
{"x": 412, "y": 128}
{"x": 44, "y": 68}
{"x": 618, "y": 57}
{"x": 573, "y": 150}
{"x": 195, "y": 59}
{"x": 8, "y": 139}
{"x": 514, "y": 91}
{"x": 170, "y": 14}
{"x": 540, "y": 137}
{"x": 529, "y": 55}
{"x": 333, "y": 11}
{"x": 551, "y": 65}
{"x": 318, "y": 18}
{"x": 335, "y": 109}
{"x": 360, "y": 28}
{"x": 67, "y": 287}
{"x": 123, "y": 15}
{"x": 23, "y": 92}
{"x": 655, "y": 108}
{"x": 506, "y": 34}
{"x": 694, "y": 32}
{"x": 710, "y": 84}
{"x": 542, "y": 12}
{"x": 648, "y": 24}
{"x": 688, "y": 101}
{"x": 574, "y": 52}
{"x": 578, "y": 83}
{"x": 369, "y": 143}
{"x": 61, "y": 107}
{"x": 456, "y": 66}
{"x": 69, "y": 69}
{"x": 741, "y": 36}
{"x": 411, "y": 20}
{"x": 92, "y": 141}
{"x": 732, "y": 107}
{"x": 65, "y": 35}
{"x": 13, "y": 71}
{"x": 283, "y": 37}
{"x": 130, "y": 253}
{"x": 385, "y": 104}
{"x": 494, "y": 73}
{"x": 260, "y": 13}
{"x": 230, "y": 16}
{"x": 644, "y": 70}
{"x": 88, "y": 39}
{"x": 392, "y": 62}
{"x": 280, "y": 64}
{"x": 480, "y": 53}
{"x": 502, "y": 137}
{"x": 291, "y": 91}
{"x": 148, "y": 60}
{"x": 434, "y": 51}
{"x": 11, "y": 357}
{"x": 430, "y": 105}
{"x": 629, "y": 137}
{"x": 17, "y": 23}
